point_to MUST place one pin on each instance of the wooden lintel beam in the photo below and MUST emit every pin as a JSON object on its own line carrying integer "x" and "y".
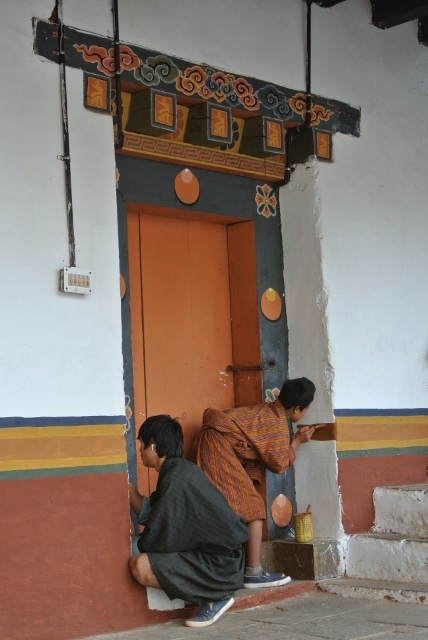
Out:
{"x": 327, "y": 3}
{"x": 423, "y": 31}
{"x": 390, "y": 13}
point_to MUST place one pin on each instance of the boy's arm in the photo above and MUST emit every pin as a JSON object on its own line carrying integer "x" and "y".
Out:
{"x": 302, "y": 435}
{"x": 135, "y": 498}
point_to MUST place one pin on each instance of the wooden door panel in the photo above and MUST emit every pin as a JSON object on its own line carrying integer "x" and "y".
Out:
{"x": 135, "y": 292}
{"x": 244, "y": 312}
{"x": 186, "y": 319}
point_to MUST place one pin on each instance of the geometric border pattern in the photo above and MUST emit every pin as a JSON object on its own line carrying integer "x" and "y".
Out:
{"x": 191, "y": 155}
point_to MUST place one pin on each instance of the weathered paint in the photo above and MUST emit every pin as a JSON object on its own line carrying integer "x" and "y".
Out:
{"x": 35, "y": 447}
{"x": 62, "y": 356}
{"x": 233, "y": 199}
{"x": 72, "y": 535}
{"x": 393, "y": 557}
{"x": 402, "y": 509}
{"x": 358, "y": 477}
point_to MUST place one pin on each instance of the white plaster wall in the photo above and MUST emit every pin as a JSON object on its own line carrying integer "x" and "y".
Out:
{"x": 309, "y": 347}
{"x": 374, "y": 222}
{"x": 259, "y": 38}
{"x": 60, "y": 354}
{"x": 402, "y": 510}
{"x": 316, "y": 485}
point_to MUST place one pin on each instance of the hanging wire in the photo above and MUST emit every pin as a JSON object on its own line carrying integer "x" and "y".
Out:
{"x": 66, "y": 140}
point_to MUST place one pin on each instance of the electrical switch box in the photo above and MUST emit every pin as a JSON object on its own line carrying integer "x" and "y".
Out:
{"x": 74, "y": 280}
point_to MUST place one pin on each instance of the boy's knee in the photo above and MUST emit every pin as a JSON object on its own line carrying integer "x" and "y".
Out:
{"x": 133, "y": 566}
{"x": 141, "y": 570}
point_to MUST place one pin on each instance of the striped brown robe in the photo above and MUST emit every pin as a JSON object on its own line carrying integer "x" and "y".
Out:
{"x": 235, "y": 446}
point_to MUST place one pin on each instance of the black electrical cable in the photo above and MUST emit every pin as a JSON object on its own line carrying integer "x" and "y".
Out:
{"x": 66, "y": 139}
{"x": 308, "y": 63}
{"x": 117, "y": 71}
{"x": 307, "y": 124}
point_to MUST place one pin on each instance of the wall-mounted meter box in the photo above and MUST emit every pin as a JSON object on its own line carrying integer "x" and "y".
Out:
{"x": 74, "y": 280}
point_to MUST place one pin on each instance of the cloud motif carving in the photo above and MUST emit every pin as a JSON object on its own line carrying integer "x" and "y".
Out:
{"x": 271, "y": 98}
{"x": 156, "y": 69}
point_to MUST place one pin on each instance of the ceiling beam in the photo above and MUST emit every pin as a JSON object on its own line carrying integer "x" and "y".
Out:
{"x": 389, "y": 13}
{"x": 327, "y": 3}
{"x": 423, "y": 31}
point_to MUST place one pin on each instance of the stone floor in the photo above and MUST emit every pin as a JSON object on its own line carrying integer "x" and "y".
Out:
{"x": 314, "y": 615}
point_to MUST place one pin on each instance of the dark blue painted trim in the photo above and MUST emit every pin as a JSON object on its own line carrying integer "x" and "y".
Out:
{"x": 381, "y": 412}
{"x": 63, "y": 421}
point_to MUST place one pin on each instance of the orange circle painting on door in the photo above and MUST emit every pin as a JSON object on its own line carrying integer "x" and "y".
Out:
{"x": 186, "y": 186}
{"x": 281, "y": 510}
{"x": 271, "y": 304}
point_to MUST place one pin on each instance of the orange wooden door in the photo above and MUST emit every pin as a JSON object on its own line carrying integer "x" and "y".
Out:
{"x": 180, "y": 322}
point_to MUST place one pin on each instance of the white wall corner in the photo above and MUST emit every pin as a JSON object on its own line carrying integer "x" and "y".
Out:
{"x": 310, "y": 355}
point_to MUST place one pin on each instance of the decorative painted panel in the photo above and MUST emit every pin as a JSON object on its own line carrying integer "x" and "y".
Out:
{"x": 144, "y": 68}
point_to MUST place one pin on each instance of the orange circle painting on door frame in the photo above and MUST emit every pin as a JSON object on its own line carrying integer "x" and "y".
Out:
{"x": 186, "y": 186}
{"x": 122, "y": 286}
{"x": 271, "y": 304}
{"x": 281, "y": 510}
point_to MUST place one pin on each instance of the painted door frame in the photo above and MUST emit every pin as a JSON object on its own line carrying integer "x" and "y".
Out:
{"x": 152, "y": 183}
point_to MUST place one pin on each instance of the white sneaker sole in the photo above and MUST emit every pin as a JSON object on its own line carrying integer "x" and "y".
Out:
{"x": 206, "y": 623}
{"x": 275, "y": 583}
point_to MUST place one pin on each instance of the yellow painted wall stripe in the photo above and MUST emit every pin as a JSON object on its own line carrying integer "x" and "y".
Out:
{"x": 61, "y": 447}
{"x": 13, "y": 433}
{"x": 13, "y": 465}
{"x": 368, "y": 433}
{"x": 382, "y": 428}
{"x": 41, "y": 447}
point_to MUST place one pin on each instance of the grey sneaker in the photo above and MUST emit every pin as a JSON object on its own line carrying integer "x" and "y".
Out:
{"x": 266, "y": 580}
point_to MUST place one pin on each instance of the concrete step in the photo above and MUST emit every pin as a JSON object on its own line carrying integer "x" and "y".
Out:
{"x": 408, "y": 592}
{"x": 244, "y": 598}
{"x": 248, "y": 598}
{"x": 392, "y": 557}
{"x": 402, "y": 509}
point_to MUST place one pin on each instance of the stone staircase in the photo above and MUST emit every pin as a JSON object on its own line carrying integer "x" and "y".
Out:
{"x": 391, "y": 561}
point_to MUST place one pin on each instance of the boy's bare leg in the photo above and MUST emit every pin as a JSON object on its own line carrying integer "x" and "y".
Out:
{"x": 254, "y": 543}
{"x": 142, "y": 571}
{"x": 255, "y": 576}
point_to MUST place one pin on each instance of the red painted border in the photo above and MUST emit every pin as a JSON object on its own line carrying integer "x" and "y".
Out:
{"x": 64, "y": 559}
{"x": 359, "y": 476}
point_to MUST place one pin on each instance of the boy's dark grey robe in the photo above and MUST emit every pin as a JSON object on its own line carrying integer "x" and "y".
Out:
{"x": 192, "y": 536}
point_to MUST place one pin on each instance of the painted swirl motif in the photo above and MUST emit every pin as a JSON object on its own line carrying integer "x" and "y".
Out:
{"x": 245, "y": 93}
{"x": 272, "y": 98}
{"x": 208, "y": 83}
{"x": 318, "y": 112}
{"x": 190, "y": 80}
{"x": 156, "y": 69}
{"x": 298, "y": 104}
{"x": 217, "y": 85}
{"x": 105, "y": 60}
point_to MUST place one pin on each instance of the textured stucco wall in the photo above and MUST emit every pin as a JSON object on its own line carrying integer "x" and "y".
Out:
{"x": 356, "y": 261}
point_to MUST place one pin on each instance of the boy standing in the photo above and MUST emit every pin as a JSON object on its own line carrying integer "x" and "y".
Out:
{"x": 235, "y": 446}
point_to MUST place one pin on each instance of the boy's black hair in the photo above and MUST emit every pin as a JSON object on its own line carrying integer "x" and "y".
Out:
{"x": 298, "y": 392}
{"x": 165, "y": 433}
